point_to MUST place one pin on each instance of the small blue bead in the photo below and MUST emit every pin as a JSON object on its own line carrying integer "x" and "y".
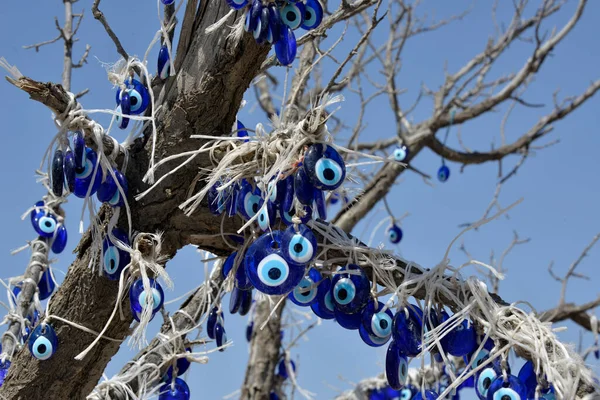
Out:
{"x": 394, "y": 233}
{"x": 213, "y": 317}
{"x": 350, "y": 292}
{"x": 305, "y": 294}
{"x": 253, "y": 16}
{"x": 292, "y": 13}
{"x": 43, "y": 342}
{"x": 4, "y": 366}
{"x": 320, "y": 204}
{"x": 323, "y": 306}
{"x": 485, "y": 377}
{"x": 303, "y": 188}
{"x": 298, "y": 244}
{"x": 266, "y": 215}
{"x": 43, "y": 221}
{"x": 220, "y": 335}
{"x": 443, "y": 173}
{"x": 237, "y": 4}
{"x": 249, "y": 329}
{"x": 400, "y": 153}
{"x": 235, "y": 300}
{"x": 182, "y": 365}
{"x": 58, "y": 174}
{"x": 139, "y": 97}
{"x": 124, "y": 107}
{"x": 241, "y": 130}
{"x": 429, "y": 395}
{"x": 313, "y": 15}
{"x": 377, "y": 323}
{"x": 114, "y": 259}
{"x": 69, "y": 168}
{"x": 177, "y": 390}
{"x": 163, "y": 64}
{"x": 261, "y": 32}
{"x": 137, "y": 297}
{"x": 167, "y": 2}
{"x": 246, "y": 302}
{"x": 107, "y": 189}
{"x": 248, "y": 200}
{"x": 282, "y": 368}
{"x": 86, "y": 177}
{"x": 275, "y": 24}
{"x": 46, "y": 285}
{"x": 461, "y": 340}
{"x": 348, "y": 321}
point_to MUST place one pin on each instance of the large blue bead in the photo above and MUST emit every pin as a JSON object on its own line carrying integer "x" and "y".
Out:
{"x": 376, "y": 322}
{"x": 79, "y": 150}
{"x": 528, "y": 378}
{"x": 214, "y": 317}
{"x": 348, "y": 321}
{"x": 461, "y": 340}
{"x": 285, "y": 47}
{"x": 163, "y": 64}
{"x": 139, "y": 97}
{"x": 58, "y": 174}
{"x": 299, "y": 244}
{"x": 267, "y": 268}
{"x": 69, "y": 168}
{"x": 177, "y": 390}
{"x": 394, "y": 233}
{"x": 324, "y": 167}
{"x": 406, "y": 330}
{"x": 115, "y": 259}
{"x": 513, "y": 389}
{"x": 86, "y": 177}
{"x": 350, "y": 292}
{"x": 396, "y": 367}
{"x": 137, "y": 297}
{"x": 313, "y": 15}
{"x": 307, "y": 291}
{"x": 44, "y": 222}
{"x": 400, "y": 153}
{"x": 43, "y": 342}
{"x": 443, "y": 173}
{"x": 323, "y": 306}
{"x": 303, "y": 188}
{"x": 292, "y": 13}
{"x": 248, "y": 201}
{"x": 46, "y": 285}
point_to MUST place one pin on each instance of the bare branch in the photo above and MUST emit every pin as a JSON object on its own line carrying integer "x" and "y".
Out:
{"x": 100, "y": 17}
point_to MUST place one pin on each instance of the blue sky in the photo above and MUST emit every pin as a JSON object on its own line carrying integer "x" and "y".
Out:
{"x": 559, "y": 184}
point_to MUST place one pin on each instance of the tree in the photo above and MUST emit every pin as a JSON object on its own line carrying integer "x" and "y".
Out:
{"x": 197, "y": 105}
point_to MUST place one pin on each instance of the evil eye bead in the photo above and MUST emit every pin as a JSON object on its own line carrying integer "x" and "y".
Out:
{"x": 139, "y": 97}
{"x": 396, "y": 367}
{"x": 323, "y": 306}
{"x": 262, "y": 28}
{"x": 406, "y": 331}
{"x": 306, "y": 292}
{"x": 217, "y": 202}
{"x": 371, "y": 340}
{"x": 44, "y": 222}
{"x": 324, "y": 167}
{"x": 246, "y": 302}
{"x": 376, "y": 322}
{"x": 123, "y": 108}
{"x": 267, "y": 268}
{"x": 428, "y": 395}
{"x": 400, "y": 153}
{"x": 286, "y": 46}
{"x": 167, "y": 2}
{"x": 164, "y": 65}
{"x": 46, "y": 285}
{"x": 69, "y": 169}
{"x": 407, "y": 392}
{"x": 43, "y": 342}
{"x": 248, "y": 201}
{"x": 394, "y": 233}
{"x": 107, "y": 189}
{"x": 237, "y": 4}
{"x": 253, "y": 16}
{"x": 512, "y": 389}
{"x": 138, "y": 297}
{"x": 299, "y": 244}
{"x": 214, "y": 317}
{"x": 303, "y": 188}
{"x": 287, "y": 198}
{"x": 241, "y": 276}
{"x": 174, "y": 390}
{"x": 292, "y": 14}
{"x": 220, "y": 335}
{"x": 85, "y": 179}
{"x": 350, "y": 292}
{"x": 443, "y": 173}
{"x": 58, "y": 174}
{"x": 461, "y": 340}
{"x": 283, "y": 370}
{"x": 266, "y": 215}
{"x": 313, "y": 14}
{"x": 348, "y": 321}
{"x": 528, "y": 378}
{"x": 275, "y": 24}
{"x": 228, "y": 265}
{"x": 114, "y": 259}
{"x": 79, "y": 150}
{"x": 484, "y": 379}
{"x": 182, "y": 365}
{"x": 320, "y": 204}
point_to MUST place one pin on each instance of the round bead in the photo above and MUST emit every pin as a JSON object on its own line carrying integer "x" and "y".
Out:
{"x": 138, "y": 297}
{"x": 43, "y": 342}
{"x": 298, "y": 244}
{"x": 282, "y": 368}
{"x": 350, "y": 292}
{"x": 512, "y": 389}
{"x": 43, "y": 221}
{"x": 406, "y": 330}
{"x": 396, "y": 367}
{"x": 377, "y": 323}
{"x": 114, "y": 259}
{"x": 175, "y": 390}
{"x": 313, "y": 14}
{"x": 182, "y": 364}
{"x": 461, "y": 340}
{"x": 429, "y": 395}
{"x": 394, "y": 233}
{"x": 307, "y": 291}
{"x": 324, "y": 167}
{"x": 443, "y": 173}
{"x": 139, "y": 97}
{"x": 85, "y": 178}
{"x": 348, "y": 321}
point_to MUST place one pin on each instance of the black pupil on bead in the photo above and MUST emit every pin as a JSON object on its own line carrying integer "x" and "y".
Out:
{"x": 307, "y": 14}
{"x": 298, "y": 247}
{"x": 262, "y": 217}
{"x": 291, "y": 16}
{"x": 506, "y": 397}
{"x": 112, "y": 264}
{"x": 383, "y": 324}
{"x": 342, "y": 294}
{"x": 404, "y": 370}
{"x": 255, "y": 207}
{"x": 48, "y": 224}
{"x": 274, "y": 273}
{"x": 487, "y": 382}
{"x": 292, "y": 212}
{"x": 329, "y": 174}
{"x": 42, "y": 348}
{"x": 133, "y": 101}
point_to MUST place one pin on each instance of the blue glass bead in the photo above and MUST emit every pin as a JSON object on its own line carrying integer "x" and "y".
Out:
{"x": 217, "y": 200}
{"x": 266, "y": 215}
{"x": 213, "y": 317}
{"x": 528, "y": 378}
{"x": 371, "y": 340}
{"x": 347, "y": 321}
{"x": 303, "y": 188}
{"x": 174, "y": 390}
{"x": 313, "y": 14}
{"x": 273, "y": 396}
{"x": 228, "y": 265}
{"x": 248, "y": 200}
{"x": 86, "y": 177}
{"x": 261, "y": 32}
{"x": 461, "y": 340}
{"x": 278, "y": 191}
{"x": 43, "y": 342}
{"x": 241, "y": 130}
{"x": 443, "y": 173}
{"x": 139, "y": 97}
{"x": 287, "y": 200}
{"x": 117, "y": 200}
{"x": 79, "y": 150}
{"x": 246, "y": 302}
{"x": 232, "y": 200}
{"x": 350, "y": 292}
{"x": 282, "y": 368}
{"x": 429, "y": 395}
{"x": 292, "y": 14}
{"x": 235, "y": 300}
{"x": 275, "y": 24}
{"x": 434, "y": 318}
{"x": 69, "y": 169}
{"x": 378, "y": 394}
{"x": 323, "y": 306}
{"x": 115, "y": 259}
{"x": 253, "y": 16}
{"x": 137, "y": 297}
{"x": 57, "y": 176}
{"x": 267, "y": 268}
{"x": 285, "y": 47}
{"x": 406, "y": 331}
{"x": 475, "y": 359}
{"x": 220, "y": 335}
{"x": 396, "y": 367}
{"x": 307, "y": 291}
{"x": 400, "y": 153}
{"x": 485, "y": 377}
{"x": 237, "y": 4}
{"x": 298, "y": 244}
{"x": 123, "y": 108}
{"x": 513, "y": 389}
{"x": 377, "y": 323}
{"x": 163, "y": 63}
{"x": 107, "y": 189}
{"x": 59, "y": 241}
{"x": 249, "y": 329}
{"x": 241, "y": 276}
{"x": 44, "y": 222}
{"x": 167, "y": 2}
{"x": 394, "y": 233}
{"x": 4, "y": 366}
{"x": 320, "y": 204}
{"x": 46, "y": 285}
{"x": 324, "y": 167}
{"x": 182, "y": 365}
